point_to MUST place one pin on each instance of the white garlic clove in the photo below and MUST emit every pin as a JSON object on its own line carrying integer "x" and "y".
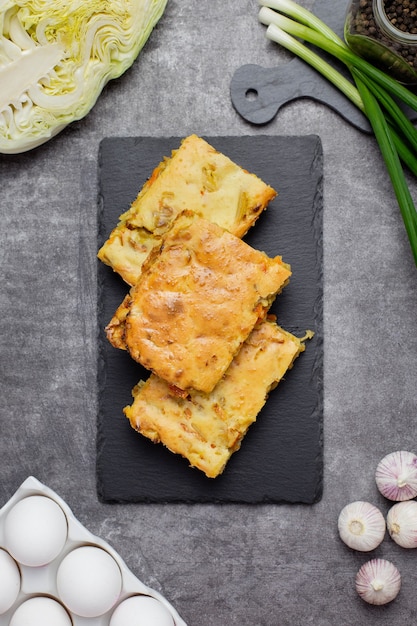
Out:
{"x": 396, "y": 476}
{"x": 378, "y": 581}
{"x": 402, "y": 523}
{"x": 361, "y": 526}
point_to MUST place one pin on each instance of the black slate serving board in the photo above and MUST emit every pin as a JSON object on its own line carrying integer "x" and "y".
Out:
{"x": 281, "y": 456}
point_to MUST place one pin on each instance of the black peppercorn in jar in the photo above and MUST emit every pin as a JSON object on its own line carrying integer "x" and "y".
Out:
{"x": 385, "y": 33}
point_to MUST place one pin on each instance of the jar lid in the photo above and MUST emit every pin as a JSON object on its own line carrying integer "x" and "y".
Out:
{"x": 389, "y": 28}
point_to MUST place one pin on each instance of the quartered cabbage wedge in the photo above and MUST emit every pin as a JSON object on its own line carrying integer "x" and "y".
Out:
{"x": 57, "y": 55}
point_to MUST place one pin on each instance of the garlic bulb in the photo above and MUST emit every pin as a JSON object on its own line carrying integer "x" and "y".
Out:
{"x": 396, "y": 476}
{"x": 361, "y": 526}
{"x": 378, "y": 581}
{"x": 402, "y": 523}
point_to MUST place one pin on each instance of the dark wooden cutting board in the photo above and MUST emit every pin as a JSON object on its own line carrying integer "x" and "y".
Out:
{"x": 258, "y": 93}
{"x": 281, "y": 456}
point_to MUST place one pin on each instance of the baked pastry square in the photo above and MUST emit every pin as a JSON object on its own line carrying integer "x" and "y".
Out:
{"x": 200, "y": 294}
{"x": 195, "y": 177}
{"x": 207, "y": 429}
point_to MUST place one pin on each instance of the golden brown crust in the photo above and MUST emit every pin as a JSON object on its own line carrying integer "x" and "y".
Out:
{"x": 198, "y": 298}
{"x": 207, "y": 428}
{"x": 196, "y": 177}
{"x": 115, "y": 330}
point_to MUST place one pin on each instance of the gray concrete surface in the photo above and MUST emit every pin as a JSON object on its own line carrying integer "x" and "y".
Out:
{"x": 243, "y": 565}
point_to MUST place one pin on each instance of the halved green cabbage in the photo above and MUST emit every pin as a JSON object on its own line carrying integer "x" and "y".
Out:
{"x": 57, "y": 55}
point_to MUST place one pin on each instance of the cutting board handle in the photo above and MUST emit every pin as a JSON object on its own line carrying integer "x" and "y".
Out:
{"x": 258, "y": 93}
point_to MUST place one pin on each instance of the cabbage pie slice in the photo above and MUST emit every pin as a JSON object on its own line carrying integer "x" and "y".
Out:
{"x": 195, "y": 177}
{"x": 205, "y": 428}
{"x": 199, "y": 296}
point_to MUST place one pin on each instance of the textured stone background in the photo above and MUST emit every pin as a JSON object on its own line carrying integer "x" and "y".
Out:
{"x": 244, "y": 565}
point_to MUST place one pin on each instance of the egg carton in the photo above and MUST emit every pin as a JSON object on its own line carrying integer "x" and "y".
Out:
{"x": 51, "y": 583}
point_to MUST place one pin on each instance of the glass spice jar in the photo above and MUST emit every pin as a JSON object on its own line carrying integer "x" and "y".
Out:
{"x": 384, "y": 32}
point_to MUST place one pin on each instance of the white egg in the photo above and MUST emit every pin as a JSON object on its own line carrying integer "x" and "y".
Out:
{"x": 89, "y": 581}
{"x": 9, "y": 581}
{"x": 141, "y": 611}
{"x": 35, "y": 530}
{"x": 40, "y": 611}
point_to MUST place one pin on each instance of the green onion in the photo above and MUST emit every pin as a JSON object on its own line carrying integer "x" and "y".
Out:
{"x": 392, "y": 162}
{"x": 293, "y": 45}
{"x": 394, "y": 133}
{"x": 340, "y": 51}
{"x": 404, "y": 152}
{"x": 303, "y": 16}
{"x": 394, "y": 111}
{"x": 280, "y": 36}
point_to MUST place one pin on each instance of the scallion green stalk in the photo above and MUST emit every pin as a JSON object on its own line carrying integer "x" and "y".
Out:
{"x": 396, "y": 114}
{"x": 342, "y": 53}
{"x": 392, "y": 162}
{"x": 406, "y": 155}
{"x": 280, "y": 36}
{"x": 395, "y": 135}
